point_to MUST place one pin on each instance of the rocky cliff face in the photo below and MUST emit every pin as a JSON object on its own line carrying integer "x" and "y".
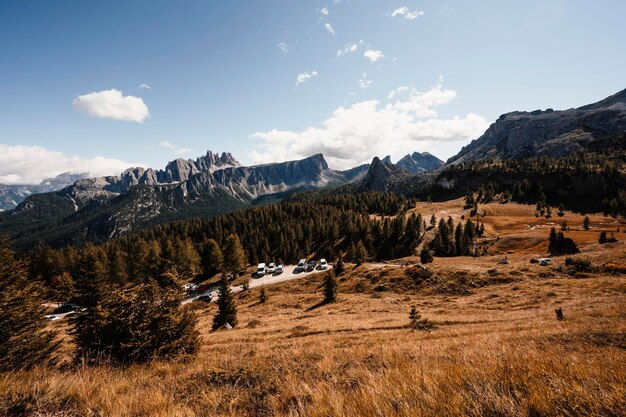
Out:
{"x": 105, "y": 207}
{"x": 416, "y": 163}
{"x": 12, "y": 195}
{"x": 383, "y": 176}
{"x": 177, "y": 171}
{"x": 519, "y": 135}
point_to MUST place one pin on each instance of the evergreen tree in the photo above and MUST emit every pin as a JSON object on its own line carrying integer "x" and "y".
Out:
{"x": 62, "y": 288}
{"x": 586, "y": 223}
{"x": 226, "y": 308}
{"x": 234, "y": 255}
{"x": 360, "y": 253}
{"x": 330, "y": 287}
{"x": 91, "y": 276}
{"x": 425, "y": 256}
{"x": 339, "y": 265}
{"x": 212, "y": 259}
{"x": 263, "y": 296}
{"x": 561, "y": 211}
{"x": 24, "y": 340}
{"x": 602, "y": 237}
{"x": 136, "y": 326}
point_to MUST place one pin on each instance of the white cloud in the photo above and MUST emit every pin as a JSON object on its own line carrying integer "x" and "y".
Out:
{"x": 324, "y": 11}
{"x": 353, "y": 135}
{"x": 284, "y": 48}
{"x": 167, "y": 144}
{"x": 144, "y": 87}
{"x": 178, "y": 150}
{"x": 329, "y": 28}
{"x": 373, "y": 55}
{"x": 305, "y": 76}
{"x": 406, "y": 14}
{"x": 21, "y": 164}
{"x": 364, "y": 82}
{"x": 112, "y": 104}
{"x": 347, "y": 49}
{"x": 397, "y": 91}
{"x": 183, "y": 151}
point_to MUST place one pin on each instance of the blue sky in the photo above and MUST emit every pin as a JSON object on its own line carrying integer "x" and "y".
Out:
{"x": 223, "y": 76}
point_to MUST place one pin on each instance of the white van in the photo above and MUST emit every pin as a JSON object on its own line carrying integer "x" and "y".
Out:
{"x": 323, "y": 264}
{"x": 260, "y": 271}
{"x": 301, "y": 265}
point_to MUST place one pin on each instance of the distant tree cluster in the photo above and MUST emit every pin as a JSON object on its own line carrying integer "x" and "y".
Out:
{"x": 454, "y": 241}
{"x": 584, "y": 182}
{"x": 558, "y": 244}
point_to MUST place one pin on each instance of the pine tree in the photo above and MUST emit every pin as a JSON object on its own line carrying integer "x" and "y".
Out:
{"x": 136, "y": 326}
{"x": 62, "y": 288}
{"x": 586, "y": 223}
{"x": 212, "y": 259}
{"x": 330, "y": 287}
{"x": 425, "y": 256}
{"x": 234, "y": 255}
{"x": 602, "y": 238}
{"x": 360, "y": 253}
{"x": 263, "y": 296}
{"x": 226, "y": 308}
{"x": 561, "y": 211}
{"x": 91, "y": 276}
{"x": 339, "y": 265}
{"x": 24, "y": 340}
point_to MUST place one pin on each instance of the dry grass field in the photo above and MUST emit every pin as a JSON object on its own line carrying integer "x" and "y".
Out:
{"x": 497, "y": 348}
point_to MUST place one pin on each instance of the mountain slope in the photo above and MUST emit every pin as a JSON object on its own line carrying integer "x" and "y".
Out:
{"x": 12, "y": 195}
{"x": 519, "y": 135}
{"x": 96, "y": 209}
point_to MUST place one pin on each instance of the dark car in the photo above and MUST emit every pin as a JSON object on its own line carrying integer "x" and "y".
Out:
{"x": 65, "y": 308}
{"x": 205, "y": 297}
{"x": 202, "y": 288}
{"x": 311, "y": 266}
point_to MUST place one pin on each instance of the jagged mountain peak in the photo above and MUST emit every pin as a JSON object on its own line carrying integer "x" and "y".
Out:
{"x": 417, "y": 162}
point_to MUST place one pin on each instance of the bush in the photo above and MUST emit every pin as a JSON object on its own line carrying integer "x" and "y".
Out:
{"x": 579, "y": 263}
{"x": 416, "y": 322}
{"x": 418, "y": 274}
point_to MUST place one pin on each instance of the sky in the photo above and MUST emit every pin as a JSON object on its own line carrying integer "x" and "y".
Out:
{"x": 99, "y": 86}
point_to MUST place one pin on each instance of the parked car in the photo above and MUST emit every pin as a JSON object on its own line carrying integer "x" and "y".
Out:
{"x": 280, "y": 269}
{"x": 260, "y": 270}
{"x": 301, "y": 265}
{"x": 545, "y": 261}
{"x": 65, "y": 308}
{"x": 202, "y": 288}
{"x": 271, "y": 268}
{"x": 311, "y": 266}
{"x": 205, "y": 297}
{"x": 323, "y": 264}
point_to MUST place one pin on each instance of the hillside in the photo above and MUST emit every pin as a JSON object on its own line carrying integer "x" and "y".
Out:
{"x": 495, "y": 348}
{"x": 97, "y": 209}
{"x": 12, "y": 195}
{"x": 517, "y": 135}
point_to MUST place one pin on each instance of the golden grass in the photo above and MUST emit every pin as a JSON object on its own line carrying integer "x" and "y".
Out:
{"x": 497, "y": 350}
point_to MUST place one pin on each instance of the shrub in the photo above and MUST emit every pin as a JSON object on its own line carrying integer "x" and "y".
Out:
{"x": 416, "y": 322}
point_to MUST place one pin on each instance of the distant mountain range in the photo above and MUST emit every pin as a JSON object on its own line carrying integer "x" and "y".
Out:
{"x": 12, "y": 195}
{"x": 96, "y": 209}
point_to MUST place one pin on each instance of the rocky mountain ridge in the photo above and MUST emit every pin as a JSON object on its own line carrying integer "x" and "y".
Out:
{"x": 520, "y": 134}
{"x": 12, "y": 195}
